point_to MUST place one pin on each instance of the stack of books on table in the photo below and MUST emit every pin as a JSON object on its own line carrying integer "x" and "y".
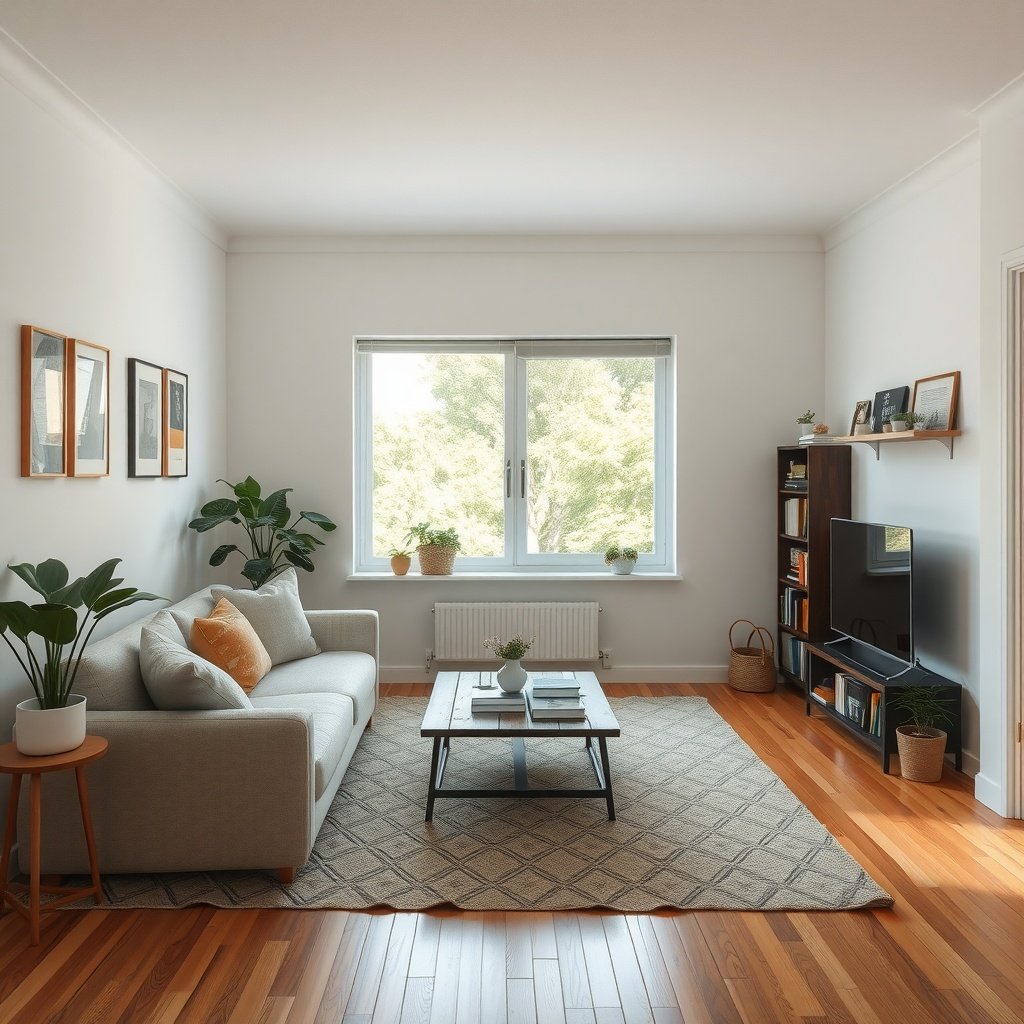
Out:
{"x": 821, "y": 439}
{"x": 554, "y": 698}
{"x": 495, "y": 700}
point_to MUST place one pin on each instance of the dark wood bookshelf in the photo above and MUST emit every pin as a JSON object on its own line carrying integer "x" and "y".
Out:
{"x": 826, "y": 496}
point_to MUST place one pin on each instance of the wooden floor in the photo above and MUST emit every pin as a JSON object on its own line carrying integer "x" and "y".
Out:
{"x": 951, "y": 950}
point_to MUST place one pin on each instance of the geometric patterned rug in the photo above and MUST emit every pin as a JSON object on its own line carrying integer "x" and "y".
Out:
{"x": 702, "y": 823}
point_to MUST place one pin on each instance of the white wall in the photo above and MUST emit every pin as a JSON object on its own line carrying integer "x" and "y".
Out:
{"x": 749, "y": 329}
{"x": 902, "y": 302}
{"x": 94, "y": 246}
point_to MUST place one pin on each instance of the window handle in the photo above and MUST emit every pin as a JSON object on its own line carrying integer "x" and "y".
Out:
{"x": 522, "y": 478}
{"x": 508, "y": 478}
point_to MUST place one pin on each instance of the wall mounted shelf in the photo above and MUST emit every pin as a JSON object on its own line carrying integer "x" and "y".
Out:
{"x": 875, "y": 441}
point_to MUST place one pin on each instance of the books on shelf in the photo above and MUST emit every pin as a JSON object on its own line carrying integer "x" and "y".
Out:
{"x": 825, "y": 692}
{"x": 495, "y": 700}
{"x": 793, "y": 656}
{"x": 797, "y": 566}
{"x": 859, "y": 703}
{"x": 554, "y": 708}
{"x": 793, "y": 608}
{"x": 796, "y": 517}
{"x": 820, "y": 439}
{"x": 553, "y": 686}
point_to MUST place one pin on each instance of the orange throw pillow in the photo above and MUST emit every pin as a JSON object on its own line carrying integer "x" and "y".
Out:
{"x": 227, "y": 640}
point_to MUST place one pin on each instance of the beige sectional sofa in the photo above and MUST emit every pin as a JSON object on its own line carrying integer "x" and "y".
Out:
{"x": 213, "y": 790}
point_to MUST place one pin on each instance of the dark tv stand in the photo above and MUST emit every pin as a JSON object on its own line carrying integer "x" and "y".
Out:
{"x": 824, "y": 660}
{"x": 870, "y": 659}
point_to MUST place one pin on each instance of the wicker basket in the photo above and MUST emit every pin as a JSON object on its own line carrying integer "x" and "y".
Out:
{"x": 435, "y": 560}
{"x": 752, "y": 669}
{"x": 922, "y": 752}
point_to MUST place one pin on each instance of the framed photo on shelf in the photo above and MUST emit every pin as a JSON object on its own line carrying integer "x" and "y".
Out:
{"x": 886, "y": 403}
{"x": 861, "y": 412}
{"x": 145, "y": 419}
{"x": 175, "y": 396}
{"x": 44, "y": 368}
{"x": 935, "y": 398}
{"x": 88, "y": 440}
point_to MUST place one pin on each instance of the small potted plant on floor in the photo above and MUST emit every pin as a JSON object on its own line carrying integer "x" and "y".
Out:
{"x": 804, "y": 421}
{"x": 436, "y": 549}
{"x": 921, "y": 744}
{"x": 400, "y": 561}
{"x": 53, "y": 639}
{"x": 621, "y": 559}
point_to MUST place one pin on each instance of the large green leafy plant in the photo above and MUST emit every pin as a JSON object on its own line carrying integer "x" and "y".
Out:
{"x": 51, "y": 661}
{"x": 274, "y": 542}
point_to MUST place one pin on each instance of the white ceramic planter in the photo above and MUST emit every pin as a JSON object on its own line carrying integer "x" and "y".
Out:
{"x": 49, "y": 731}
{"x": 512, "y": 676}
{"x": 898, "y": 426}
{"x": 623, "y": 566}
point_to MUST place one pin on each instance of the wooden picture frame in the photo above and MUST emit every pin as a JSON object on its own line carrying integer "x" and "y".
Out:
{"x": 44, "y": 371}
{"x": 861, "y": 415}
{"x": 175, "y": 398}
{"x": 145, "y": 419}
{"x": 936, "y": 399}
{"x": 88, "y": 409}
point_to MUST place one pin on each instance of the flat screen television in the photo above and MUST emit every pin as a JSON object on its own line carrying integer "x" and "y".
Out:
{"x": 872, "y": 603}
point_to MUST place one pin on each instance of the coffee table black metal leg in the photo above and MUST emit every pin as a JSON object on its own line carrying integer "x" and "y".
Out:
{"x": 607, "y": 772}
{"x": 432, "y": 785}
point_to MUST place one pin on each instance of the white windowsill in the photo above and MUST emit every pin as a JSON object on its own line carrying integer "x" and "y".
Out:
{"x": 508, "y": 577}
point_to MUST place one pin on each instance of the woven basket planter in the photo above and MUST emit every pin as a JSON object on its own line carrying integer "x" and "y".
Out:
{"x": 435, "y": 560}
{"x": 921, "y": 752}
{"x": 752, "y": 669}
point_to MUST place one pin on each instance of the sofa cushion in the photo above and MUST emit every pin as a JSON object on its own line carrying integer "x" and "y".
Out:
{"x": 226, "y": 639}
{"x": 275, "y": 612}
{"x": 332, "y": 727}
{"x": 349, "y": 672}
{"x": 109, "y": 674}
{"x": 179, "y": 680}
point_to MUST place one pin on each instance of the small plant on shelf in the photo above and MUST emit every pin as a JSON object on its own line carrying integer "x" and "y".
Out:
{"x": 806, "y": 417}
{"x": 510, "y": 650}
{"x": 905, "y": 420}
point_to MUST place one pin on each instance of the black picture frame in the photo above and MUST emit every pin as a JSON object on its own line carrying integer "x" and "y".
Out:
{"x": 145, "y": 419}
{"x": 886, "y": 403}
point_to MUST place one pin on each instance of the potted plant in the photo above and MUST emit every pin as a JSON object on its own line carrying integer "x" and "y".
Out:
{"x": 53, "y": 638}
{"x": 436, "y": 549}
{"x": 804, "y": 421}
{"x": 274, "y": 543}
{"x": 511, "y": 676}
{"x": 887, "y": 425}
{"x": 905, "y": 420}
{"x": 921, "y": 744}
{"x": 621, "y": 559}
{"x": 400, "y": 561}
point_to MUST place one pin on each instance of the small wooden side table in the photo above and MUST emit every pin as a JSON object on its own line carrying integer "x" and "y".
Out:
{"x": 17, "y": 765}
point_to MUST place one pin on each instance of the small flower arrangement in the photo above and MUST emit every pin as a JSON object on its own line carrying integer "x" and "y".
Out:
{"x": 512, "y": 649}
{"x": 614, "y": 553}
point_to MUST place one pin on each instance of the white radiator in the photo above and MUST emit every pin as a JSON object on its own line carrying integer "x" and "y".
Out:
{"x": 565, "y": 630}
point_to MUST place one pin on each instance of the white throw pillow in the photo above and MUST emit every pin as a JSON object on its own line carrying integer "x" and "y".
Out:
{"x": 275, "y": 612}
{"x": 178, "y": 680}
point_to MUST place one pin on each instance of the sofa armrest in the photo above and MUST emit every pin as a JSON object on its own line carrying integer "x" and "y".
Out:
{"x": 345, "y": 630}
{"x": 186, "y": 791}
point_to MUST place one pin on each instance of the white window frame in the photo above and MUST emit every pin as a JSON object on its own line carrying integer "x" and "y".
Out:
{"x": 518, "y": 352}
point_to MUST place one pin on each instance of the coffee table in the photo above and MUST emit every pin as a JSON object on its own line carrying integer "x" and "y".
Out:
{"x": 449, "y": 716}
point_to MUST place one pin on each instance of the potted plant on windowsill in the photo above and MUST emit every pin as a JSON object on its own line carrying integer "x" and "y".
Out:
{"x": 400, "y": 561}
{"x": 436, "y": 549}
{"x": 921, "y": 744}
{"x": 621, "y": 559}
{"x": 53, "y": 638}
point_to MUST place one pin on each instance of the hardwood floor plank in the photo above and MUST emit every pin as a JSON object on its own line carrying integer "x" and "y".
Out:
{"x": 419, "y": 993}
{"x": 547, "y": 992}
{"x": 343, "y": 970}
{"x": 493, "y": 1005}
{"x": 542, "y": 936}
{"x": 391, "y": 988}
{"x": 518, "y": 947}
{"x": 423, "y": 961}
{"x": 275, "y": 1010}
{"x": 522, "y": 1009}
{"x": 444, "y": 1007}
{"x": 575, "y": 1015}
{"x": 319, "y": 963}
{"x": 572, "y": 962}
{"x": 258, "y": 983}
{"x": 603, "y": 990}
{"x": 471, "y": 953}
{"x": 636, "y": 1007}
{"x": 652, "y": 964}
{"x": 688, "y": 995}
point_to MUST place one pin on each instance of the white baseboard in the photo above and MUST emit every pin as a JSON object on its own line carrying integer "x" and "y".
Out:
{"x": 990, "y": 793}
{"x": 971, "y": 765}
{"x": 636, "y": 674}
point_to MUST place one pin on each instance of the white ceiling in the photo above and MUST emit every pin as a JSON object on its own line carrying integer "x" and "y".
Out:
{"x": 529, "y": 116}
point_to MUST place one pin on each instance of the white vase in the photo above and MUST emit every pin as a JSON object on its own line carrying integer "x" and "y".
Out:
{"x": 623, "y": 566}
{"x": 512, "y": 676}
{"x": 49, "y": 730}
{"x": 898, "y": 426}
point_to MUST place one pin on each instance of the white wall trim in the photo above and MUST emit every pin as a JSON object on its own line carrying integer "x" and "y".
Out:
{"x": 636, "y": 674}
{"x": 990, "y": 793}
{"x": 37, "y": 83}
{"x": 1007, "y": 102}
{"x": 457, "y": 244}
{"x": 961, "y": 155}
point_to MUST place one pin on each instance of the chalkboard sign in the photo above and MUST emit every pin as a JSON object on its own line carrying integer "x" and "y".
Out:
{"x": 886, "y": 403}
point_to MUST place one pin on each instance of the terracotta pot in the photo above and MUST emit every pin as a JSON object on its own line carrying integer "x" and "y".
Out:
{"x": 921, "y": 751}
{"x": 49, "y": 730}
{"x": 400, "y": 564}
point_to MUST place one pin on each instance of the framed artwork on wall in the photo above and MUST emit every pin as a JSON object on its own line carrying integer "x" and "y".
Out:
{"x": 88, "y": 409}
{"x": 885, "y": 404}
{"x": 44, "y": 368}
{"x": 145, "y": 419}
{"x": 175, "y": 423}
{"x": 935, "y": 398}
{"x": 861, "y": 416}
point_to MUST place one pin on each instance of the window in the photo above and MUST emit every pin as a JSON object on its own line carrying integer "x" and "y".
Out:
{"x": 540, "y": 452}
